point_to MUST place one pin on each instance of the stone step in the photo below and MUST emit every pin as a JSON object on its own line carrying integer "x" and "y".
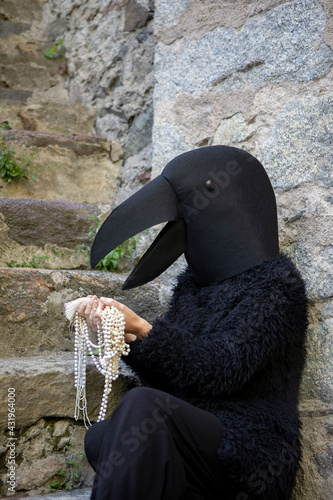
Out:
{"x": 8, "y": 28}
{"x": 28, "y": 77}
{"x": 79, "y": 494}
{"x": 21, "y": 50}
{"x": 49, "y": 442}
{"x": 44, "y": 388}
{"x": 66, "y": 119}
{"x": 32, "y": 94}
{"x": 59, "y": 118}
{"x": 44, "y": 233}
{"x": 32, "y": 306}
{"x": 21, "y": 12}
{"x": 77, "y": 168}
{"x": 24, "y": 67}
{"x": 12, "y": 97}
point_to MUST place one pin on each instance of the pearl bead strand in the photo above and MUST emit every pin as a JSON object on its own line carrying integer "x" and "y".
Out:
{"x": 111, "y": 346}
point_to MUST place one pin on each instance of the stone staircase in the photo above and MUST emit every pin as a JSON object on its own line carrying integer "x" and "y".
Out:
{"x": 69, "y": 162}
{"x": 43, "y": 223}
{"x": 37, "y": 361}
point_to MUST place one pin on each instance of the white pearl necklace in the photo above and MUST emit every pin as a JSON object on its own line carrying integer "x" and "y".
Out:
{"x": 111, "y": 346}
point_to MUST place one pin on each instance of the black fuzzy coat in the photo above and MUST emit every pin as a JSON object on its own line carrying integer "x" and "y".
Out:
{"x": 236, "y": 348}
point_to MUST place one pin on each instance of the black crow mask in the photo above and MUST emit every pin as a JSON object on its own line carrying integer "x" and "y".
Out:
{"x": 221, "y": 212}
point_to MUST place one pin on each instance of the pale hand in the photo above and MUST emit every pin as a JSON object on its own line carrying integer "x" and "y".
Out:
{"x": 92, "y": 308}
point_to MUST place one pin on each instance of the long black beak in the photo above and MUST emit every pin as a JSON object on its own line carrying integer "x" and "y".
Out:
{"x": 165, "y": 249}
{"x": 154, "y": 203}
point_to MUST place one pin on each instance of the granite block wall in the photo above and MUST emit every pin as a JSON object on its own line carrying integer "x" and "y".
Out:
{"x": 258, "y": 75}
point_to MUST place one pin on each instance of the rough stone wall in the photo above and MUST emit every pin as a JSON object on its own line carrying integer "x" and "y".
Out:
{"x": 258, "y": 75}
{"x": 109, "y": 51}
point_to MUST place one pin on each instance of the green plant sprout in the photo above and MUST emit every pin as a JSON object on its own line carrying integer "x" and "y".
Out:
{"x": 66, "y": 479}
{"x": 13, "y": 165}
{"x": 56, "y": 51}
{"x": 33, "y": 263}
{"x": 114, "y": 259}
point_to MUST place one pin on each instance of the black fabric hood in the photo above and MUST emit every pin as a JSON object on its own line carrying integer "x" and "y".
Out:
{"x": 221, "y": 212}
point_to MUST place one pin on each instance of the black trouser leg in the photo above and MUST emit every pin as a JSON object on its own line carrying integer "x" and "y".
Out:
{"x": 157, "y": 447}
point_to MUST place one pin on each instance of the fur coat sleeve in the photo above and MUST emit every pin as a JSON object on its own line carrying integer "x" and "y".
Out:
{"x": 215, "y": 338}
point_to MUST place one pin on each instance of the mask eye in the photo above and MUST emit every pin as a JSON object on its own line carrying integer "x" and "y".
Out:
{"x": 209, "y": 185}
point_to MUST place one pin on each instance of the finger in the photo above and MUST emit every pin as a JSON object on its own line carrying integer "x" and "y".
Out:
{"x": 85, "y": 309}
{"x": 90, "y": 305}
{"x": 108, "y": 302}
{"x": 111, "y": 302}
{"x": 95, "y": 316}
{"x": 98, "y": 315}
{"x": 82, "y": 307}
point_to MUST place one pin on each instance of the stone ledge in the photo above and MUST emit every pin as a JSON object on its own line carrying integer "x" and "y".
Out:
{"x": 79, "y": 494}
{"x": 20, "y": 96}
{"x": 57, "y": 118}
{"x": 76, "y": 168}
{"x": 7, "y": 28}
{"x": 21, "y": 11}
{"x": 44, "y": 387}
{"x": 81, "y": 145}
{"x": 38, "y": 222}
{"x": 32, "y": 306}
